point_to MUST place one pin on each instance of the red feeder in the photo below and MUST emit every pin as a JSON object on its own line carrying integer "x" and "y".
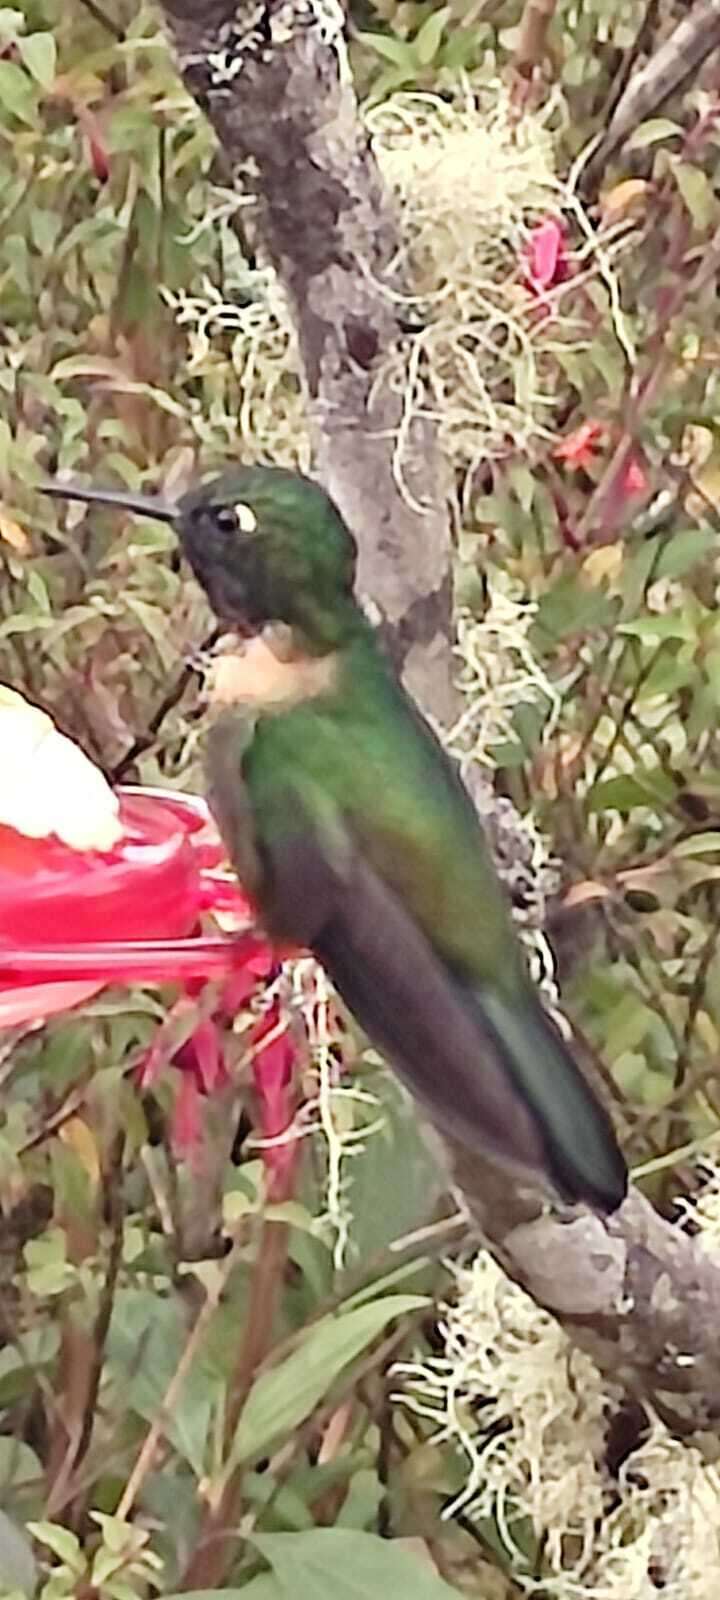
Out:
{"x": 72, "y": 921}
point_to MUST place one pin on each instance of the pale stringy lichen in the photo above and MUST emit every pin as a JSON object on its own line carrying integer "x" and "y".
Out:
{"x": 480, "y": 353}
{"x": 498, "y": 673}
{"x": 529, "y": 1412}
{"x": 344, "y": 1113}
{"x": 256, "y": 386}
{"x": 335, "y": 1106}
{"x": 704, "y": 1208}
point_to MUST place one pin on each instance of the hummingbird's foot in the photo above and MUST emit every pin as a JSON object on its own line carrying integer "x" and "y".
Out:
{"x": 205, "y": 657}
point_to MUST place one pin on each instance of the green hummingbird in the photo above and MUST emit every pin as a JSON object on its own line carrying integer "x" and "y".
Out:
{"x": 351, "y": 831}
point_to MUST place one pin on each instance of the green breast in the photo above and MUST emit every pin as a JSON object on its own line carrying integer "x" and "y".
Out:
{"x": 362, "y": 760}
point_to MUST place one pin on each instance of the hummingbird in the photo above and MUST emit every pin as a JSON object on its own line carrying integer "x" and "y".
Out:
{"x": 352, "y": 833}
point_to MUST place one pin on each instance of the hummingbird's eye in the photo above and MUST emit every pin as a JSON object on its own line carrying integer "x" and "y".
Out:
{"x": 226, "y": 519}
{"x": 236, "y": 519}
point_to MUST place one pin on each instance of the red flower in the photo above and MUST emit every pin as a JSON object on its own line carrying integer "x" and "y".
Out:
{"x": 273, "y": 1064}
{"x": 578, "y": 448}
{"x": 634, "y": 479}
{"x": 97, "y": 148}
{"x": 547, "y": 260}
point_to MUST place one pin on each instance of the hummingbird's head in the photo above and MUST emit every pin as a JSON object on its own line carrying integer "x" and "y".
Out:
{"x": 268, "y": 546}
{"x": 265, "y": 544}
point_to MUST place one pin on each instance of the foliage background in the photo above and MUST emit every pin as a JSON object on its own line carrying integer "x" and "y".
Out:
{"x": 140, "y": 339}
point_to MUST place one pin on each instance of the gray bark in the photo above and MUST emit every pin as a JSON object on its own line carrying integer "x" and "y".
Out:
{"x": 636, "y": 1292}
{"x": 269, "y": 78}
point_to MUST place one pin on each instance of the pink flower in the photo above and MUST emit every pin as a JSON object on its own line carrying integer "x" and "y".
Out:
{"x": 578, "y": 448}
{"x": 547, "y": 260}
{"x": 634, "y": 479}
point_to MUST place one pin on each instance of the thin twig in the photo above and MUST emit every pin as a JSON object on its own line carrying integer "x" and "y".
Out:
{"x": 599, "y": 523}
{"x": 666, "y": 72}
{"x": 532, "y": 34}
{"x": 104, "y": 20}
{"x": 696, "y": 995}
{"x": 170, "y": 700}
{"x": 641, "y": 47}
{"x": 215, "y": 1549}
{"x": 159, "y": 1424}
{"x": 113, "y": 1191}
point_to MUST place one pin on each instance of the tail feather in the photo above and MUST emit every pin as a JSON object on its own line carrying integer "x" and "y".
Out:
{"x": 581, "y": 1148}
{"x": 493, "y": 1071}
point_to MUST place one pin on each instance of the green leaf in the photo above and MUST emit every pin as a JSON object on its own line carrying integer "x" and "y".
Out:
{"x": 697, "y": 193}
{"x": 64, "y": 1544}
{"x": 48, "y": 1270}
{"x": 653, "y": 131}
{"x": 37, "y": 589}
{"x": 263, "y": 1587}
{"x": 652, "y": 630}
{"x": 683, "y": 551}
{"x": 428, "y": 39}
{"x": 283, "y": 1397}
{"x": 634, "y": 789}
{"x": 142, "y": 1321}
{"x": 22, "y": 622}
{"x": 154, "y": 621}
{"x": 37, "y": 1348}
{"x": 18, "y": 1465}
{"x": 699, "y": 844}
{"x": 18, "y": 94}
{"x": 44, "y": 230}
{"x": 397, "y": 51}
{"x": 397, "y": 1184}
{"x": 570, "y": 607}
{"x": 17, "y": 1562}
{"x": 522, "y": 484}
{"x": 38, "y": 52}
{"x": 340, "y": 1564}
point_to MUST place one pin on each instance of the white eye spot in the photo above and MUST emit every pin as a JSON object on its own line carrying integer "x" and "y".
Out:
{"x": 246, "y": 518}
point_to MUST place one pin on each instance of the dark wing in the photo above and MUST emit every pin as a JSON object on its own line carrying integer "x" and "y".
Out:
{"x": 227, "y": 741}
{"x": 474, "y": 1066}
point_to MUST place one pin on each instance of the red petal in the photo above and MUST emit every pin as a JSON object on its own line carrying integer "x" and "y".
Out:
{"x": 130, "y": 961}
{"x": 203, "y": 1055}
{"x": 187, "y": 1121}
{"x": 547, "y": 258}
{"x": 97, "y": 148}
{"x": 99, "y": 158}
{"x": 272, "y": 1067}
{"x": 634, "y": 478}
{"x": 577, "y": 448}
{"x": 39, "y": 1000}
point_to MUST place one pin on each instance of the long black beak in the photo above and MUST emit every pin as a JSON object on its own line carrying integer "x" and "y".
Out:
{"x": 147, "y": 505}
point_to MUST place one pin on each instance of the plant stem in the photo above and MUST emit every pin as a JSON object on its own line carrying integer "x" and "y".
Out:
{"x": 210, "y": 1562}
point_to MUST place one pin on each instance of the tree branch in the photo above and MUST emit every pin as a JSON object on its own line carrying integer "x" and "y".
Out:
{"x": 636, "y": 1292}
{"x": 682, "y": 55}
{"x": 272, "y": 82}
